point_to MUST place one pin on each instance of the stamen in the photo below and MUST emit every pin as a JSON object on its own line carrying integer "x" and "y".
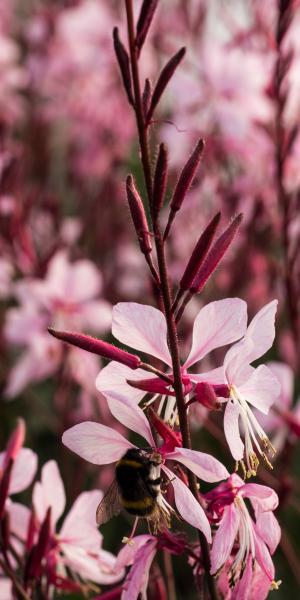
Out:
{"x": 275, "y": 585}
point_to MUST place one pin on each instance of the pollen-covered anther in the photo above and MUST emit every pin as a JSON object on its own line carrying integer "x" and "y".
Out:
{"x": 267, "y": 444}
{"x": 266, "y": 461}
{"x": 254, "y": 464}
{"x": 275, "y": 585}
{"x": 240, "y": 464}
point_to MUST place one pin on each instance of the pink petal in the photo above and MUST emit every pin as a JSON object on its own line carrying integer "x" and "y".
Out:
{"x": 187, "y": 505}
{"x": 96, "y": 315}
{"x": 114, "y": 377}
{"x": 205, "y": 466}
{"x": 19, "y": 516}
{"x": 285, "y": 376}
{"x": 128, "y": 553}
{"x": 216, "y": 376}
{"x": 263, "y": 557}
{"x": 231, "y": 430}
{"x": 243, "y": 586}
{"x": 261, "y": 389}
{"x": 141, "y": 327}
{"x": 5, "y": 589}
{"x": 96, "y": 443}
{"x": 78, "y": 281}
{"x": 217, "y": 324}
{"x": 80, "y": 522}
{"x": 23, "y": 470}
{"x": 268, "y": 528}
{"x": 266, "y": 498}
{"x": 131, "y": 415}
{"x": 98, "y": 567}
{"x": 136, "y": 582}
{"x": 224, "y": 538}
{"x": 49, "y": 492}
{"x": 257, "y": 340}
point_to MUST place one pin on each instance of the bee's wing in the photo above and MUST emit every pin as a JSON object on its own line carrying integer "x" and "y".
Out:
{"x": 110, "y": 505}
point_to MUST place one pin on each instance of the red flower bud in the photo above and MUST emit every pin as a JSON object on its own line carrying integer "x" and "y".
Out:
{"x": 215, "y": 255}
{"x": 184, "y": 182}
{"x": 199, "y": 253}
{"x": 144, "y": 22}
{"x": 138, "y": 216}
{"x": 160, "y": 181}
{"x": 4, "y": 486}
{"x": 163, "y": 80}
{"x": 95, "y": 346}
{"x": 124, "y": 65}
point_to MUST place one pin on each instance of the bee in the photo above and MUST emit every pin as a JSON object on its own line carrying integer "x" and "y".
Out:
{"x": 137, "y": 489}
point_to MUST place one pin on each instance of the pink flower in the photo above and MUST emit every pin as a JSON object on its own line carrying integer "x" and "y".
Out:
{"x": 246, "y": 385}
{"x": 257, "y": 538}
{"x": 102, "y": 445}
{"x": 140, "y": 553}
{"x": 66, "y": 297}
{"x": 144, "y": 328}
{"x": 77, "y": 545}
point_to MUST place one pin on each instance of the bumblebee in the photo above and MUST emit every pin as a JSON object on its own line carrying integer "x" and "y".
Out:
{"x": 137, "y": 489}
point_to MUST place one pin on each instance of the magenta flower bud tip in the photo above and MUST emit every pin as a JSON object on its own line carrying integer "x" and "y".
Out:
{"x": 15, "y": 442}
{"x": 163, "y": 80}
{"x": 99, "y": 347}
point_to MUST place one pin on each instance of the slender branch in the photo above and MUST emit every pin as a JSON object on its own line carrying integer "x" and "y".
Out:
{"x": 169, "y": 575}
{"x": 164, "y": 283}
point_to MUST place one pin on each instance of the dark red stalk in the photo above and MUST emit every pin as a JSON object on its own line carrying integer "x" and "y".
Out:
{"x": 4, "y": 486}
{"x": 163, "y": 80}
{"x": 160, "y": 181}
{"x": 123, "y": 61}
{"x": 184, "y": 183}
{"x": 39, "y": 551}
{"x": 165, "y": 289}
{"x": 95, "y": 346}
{"x": 144, "y": 22}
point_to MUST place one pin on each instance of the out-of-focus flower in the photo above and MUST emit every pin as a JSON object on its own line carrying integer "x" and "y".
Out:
{"x": 76, "y": 547}
{"x": 6, "y": 274}
{"x": 103, "y": 445}
{"x": 283, "y": 420}
{"x": 12, "y": 80}
{"x": 257, "y": 537}
{"x": 67, "y": 297}
{"x": 80, "y": 53}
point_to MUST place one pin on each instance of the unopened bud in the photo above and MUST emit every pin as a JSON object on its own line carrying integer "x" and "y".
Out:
{"x": 124, "y": 65}
{"x": 144, "y": 22}
{"x": 215, "y": 255}
{"x": 163, "y": 80}
{"x": 99, "y": 347}
{"x": 160, "y": 181}
{"x": 4, "y": 485}
{"x": 199, "y": 253}
{"x": 138, "y": 216}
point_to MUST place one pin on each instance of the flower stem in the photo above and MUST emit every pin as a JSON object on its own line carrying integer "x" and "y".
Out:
{"x": 164, "y": 283}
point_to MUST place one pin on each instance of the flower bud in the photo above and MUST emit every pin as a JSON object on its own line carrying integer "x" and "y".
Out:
{"x": 199, "y": 253}
{"x": 163, "y": 80}
{"x": 95, "y": 346}
{"x": 144, "y": 22}
{"x": 123, "y": 61}
{"x": 138, "y": 216}
{"x": 215, "y": 255}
